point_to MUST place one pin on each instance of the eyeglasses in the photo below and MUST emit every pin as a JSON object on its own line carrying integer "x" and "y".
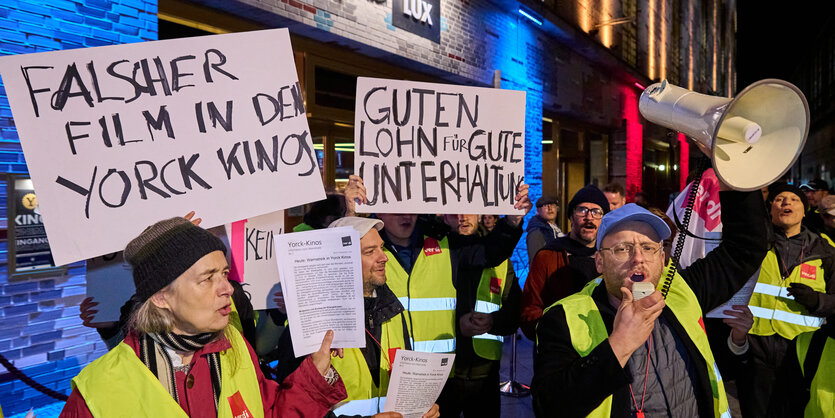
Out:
{"x": 596, "y": 213}
{"x": 626, "y": 250}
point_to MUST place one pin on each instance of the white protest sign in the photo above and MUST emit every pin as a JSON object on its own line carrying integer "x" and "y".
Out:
{"x": 438, "y": 148}
{"x": 119, "y": 137}
{"x": 321, "y": 275}
{"x": 252, "y": 243}
{"x": 110, "y": 284}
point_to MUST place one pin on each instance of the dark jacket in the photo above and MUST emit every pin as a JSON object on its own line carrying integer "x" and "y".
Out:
{"x": 540, "y": 234}
{"x": 791, "y": 399}
{"x": 505, "y": 321}
{"x": 558, "y": 270}
{"x": 568, "y": 385}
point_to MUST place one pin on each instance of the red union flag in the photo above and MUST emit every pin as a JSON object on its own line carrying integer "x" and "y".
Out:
{"x": 705, "y": 221}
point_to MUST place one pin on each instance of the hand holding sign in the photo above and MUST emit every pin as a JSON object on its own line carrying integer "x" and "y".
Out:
{"x": 523, "y": 202}
{"x": 354, "y": 193}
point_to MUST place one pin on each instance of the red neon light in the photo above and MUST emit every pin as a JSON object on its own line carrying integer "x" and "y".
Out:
{"x": 634, "y": 143}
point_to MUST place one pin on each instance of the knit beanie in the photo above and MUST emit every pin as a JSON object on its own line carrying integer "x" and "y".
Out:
{"x": 164, "y": 251}
{"x": 776, "y": 188}
{"x": 589, "y": 194}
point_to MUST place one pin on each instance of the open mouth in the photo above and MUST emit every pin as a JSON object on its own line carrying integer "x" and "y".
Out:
{"x": 637, "y": 277}
{"x": 226, "y": 310}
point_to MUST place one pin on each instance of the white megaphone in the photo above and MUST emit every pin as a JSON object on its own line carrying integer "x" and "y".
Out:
{"x": 753, "y": 138}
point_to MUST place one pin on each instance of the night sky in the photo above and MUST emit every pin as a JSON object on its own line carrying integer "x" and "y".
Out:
{"x": 771, "y": 37}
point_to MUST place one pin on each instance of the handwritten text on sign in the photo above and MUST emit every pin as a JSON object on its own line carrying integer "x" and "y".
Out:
{"x": 119, "y": 137}
{"x": 438, "y": 148}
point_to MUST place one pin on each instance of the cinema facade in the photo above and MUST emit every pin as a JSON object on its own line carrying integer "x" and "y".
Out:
{"x": 583, "y": 64}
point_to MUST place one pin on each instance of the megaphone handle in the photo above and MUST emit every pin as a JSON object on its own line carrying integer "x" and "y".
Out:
{"x": 703, "y": 165}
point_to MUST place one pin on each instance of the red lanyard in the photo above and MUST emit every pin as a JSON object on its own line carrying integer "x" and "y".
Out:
{"x": 379, "y": 345}
{"x": 785, "y": 266}
{"x": 640, "y": 413}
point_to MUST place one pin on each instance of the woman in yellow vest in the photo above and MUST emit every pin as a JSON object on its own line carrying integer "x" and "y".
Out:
{"x": 180, "y": 356}
{"x": 602, "y": 353}
{"x": 793, "y": 293}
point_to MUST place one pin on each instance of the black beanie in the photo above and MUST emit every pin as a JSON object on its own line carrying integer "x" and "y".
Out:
{"x": 589, "y": 194}
{"x": 776, "y": 188}
{"x": 164, "y": 251}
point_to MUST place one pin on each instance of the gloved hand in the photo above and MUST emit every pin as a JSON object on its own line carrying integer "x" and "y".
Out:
{"x": 804, "y": 295}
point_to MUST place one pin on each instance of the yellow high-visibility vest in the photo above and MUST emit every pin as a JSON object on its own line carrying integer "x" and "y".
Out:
{"x": 588, "y": 331}
{"x": 775, "y": 312}
{"x": 488, "y": 300}
{"x": 118, "y": 384}
{"x": 364, "y": 397}
{"x": 427, "y": 295}
{"x": 822, "y": 391}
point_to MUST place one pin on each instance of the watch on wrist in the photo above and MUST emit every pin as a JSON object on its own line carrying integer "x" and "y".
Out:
{"x": 331, "y": 376}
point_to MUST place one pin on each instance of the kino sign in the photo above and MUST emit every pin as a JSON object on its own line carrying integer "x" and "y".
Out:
{"x": 421, "y": 17}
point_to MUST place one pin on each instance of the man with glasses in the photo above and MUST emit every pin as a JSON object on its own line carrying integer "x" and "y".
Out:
{"x": 600, "y": 352}
{"x": 567, "y": 264}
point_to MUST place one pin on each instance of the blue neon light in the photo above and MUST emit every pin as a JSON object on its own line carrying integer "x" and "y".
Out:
{"x": 530, "y": 16}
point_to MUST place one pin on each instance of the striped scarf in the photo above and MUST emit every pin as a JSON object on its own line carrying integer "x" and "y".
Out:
{"x": 153, "y": 354}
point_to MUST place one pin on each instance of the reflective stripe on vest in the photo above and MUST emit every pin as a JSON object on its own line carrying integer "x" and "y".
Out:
{"x": 112, "y": 384}
{"x": 364, "y": 407}
{"x": 587, "y": 331}
{"x": 427, "y": 304}
{"x": 775, "y": 312}
{"x": 427, "y": 295}
{"x": 489, "y": 294}
{"x": 363, "y": 394}
{"x": 435, "y": 346}
{"x": 822, "y": 390}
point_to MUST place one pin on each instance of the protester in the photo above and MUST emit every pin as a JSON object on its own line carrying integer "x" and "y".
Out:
{"x": 615, "y": 195}
{"x": 565, "y": 266}
{"x": 242, "y": 316}
{"x": 489, "y": 221}
{"x": 428, "y": 262}
{"x": 595, "y": 348}
{"x": 641, "y": 199}
{"x": 180, "y": 333}
{"x": 487, "y": 309}
{"x": 794, "y": 292}
{"x": 815, "y": 191}
{"x": 366, "y": 371}
{"x": 542, "y": 228}
{"x": 807, "y": 376}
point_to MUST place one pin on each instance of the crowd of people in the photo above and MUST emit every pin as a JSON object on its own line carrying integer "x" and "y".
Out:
{"x": 190, "y": 344}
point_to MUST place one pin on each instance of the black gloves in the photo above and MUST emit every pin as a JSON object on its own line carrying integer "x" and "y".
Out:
{"x": 804, "y": 295}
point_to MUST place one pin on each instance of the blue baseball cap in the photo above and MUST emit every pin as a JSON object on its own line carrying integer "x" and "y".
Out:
{"x": 631, "y": 213}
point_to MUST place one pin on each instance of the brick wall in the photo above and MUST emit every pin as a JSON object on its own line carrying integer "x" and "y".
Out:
{"x": 40, "y": 331}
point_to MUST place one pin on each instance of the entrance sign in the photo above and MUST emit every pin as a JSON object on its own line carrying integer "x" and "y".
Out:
{"x": 438, "y": 148}
{"x": 119, "y": 137}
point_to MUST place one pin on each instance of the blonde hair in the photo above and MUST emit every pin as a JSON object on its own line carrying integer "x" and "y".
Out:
{"x": 148, "y": 318}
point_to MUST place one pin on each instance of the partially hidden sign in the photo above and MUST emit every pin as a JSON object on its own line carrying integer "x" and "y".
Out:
{"x": 252, "y": 244}
{"x": 438, "y": 148}
{"x": 119, "y": 137}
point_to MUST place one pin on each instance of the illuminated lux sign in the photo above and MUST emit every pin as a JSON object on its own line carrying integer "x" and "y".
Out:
{"x": 421, "y": 17}
{"x": 418, "y": 10}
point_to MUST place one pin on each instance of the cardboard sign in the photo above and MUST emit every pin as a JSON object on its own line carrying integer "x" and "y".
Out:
{"x": 438, "y": 148}
{"x": 252, "y": 243}
{"x": 119, "y": 137}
